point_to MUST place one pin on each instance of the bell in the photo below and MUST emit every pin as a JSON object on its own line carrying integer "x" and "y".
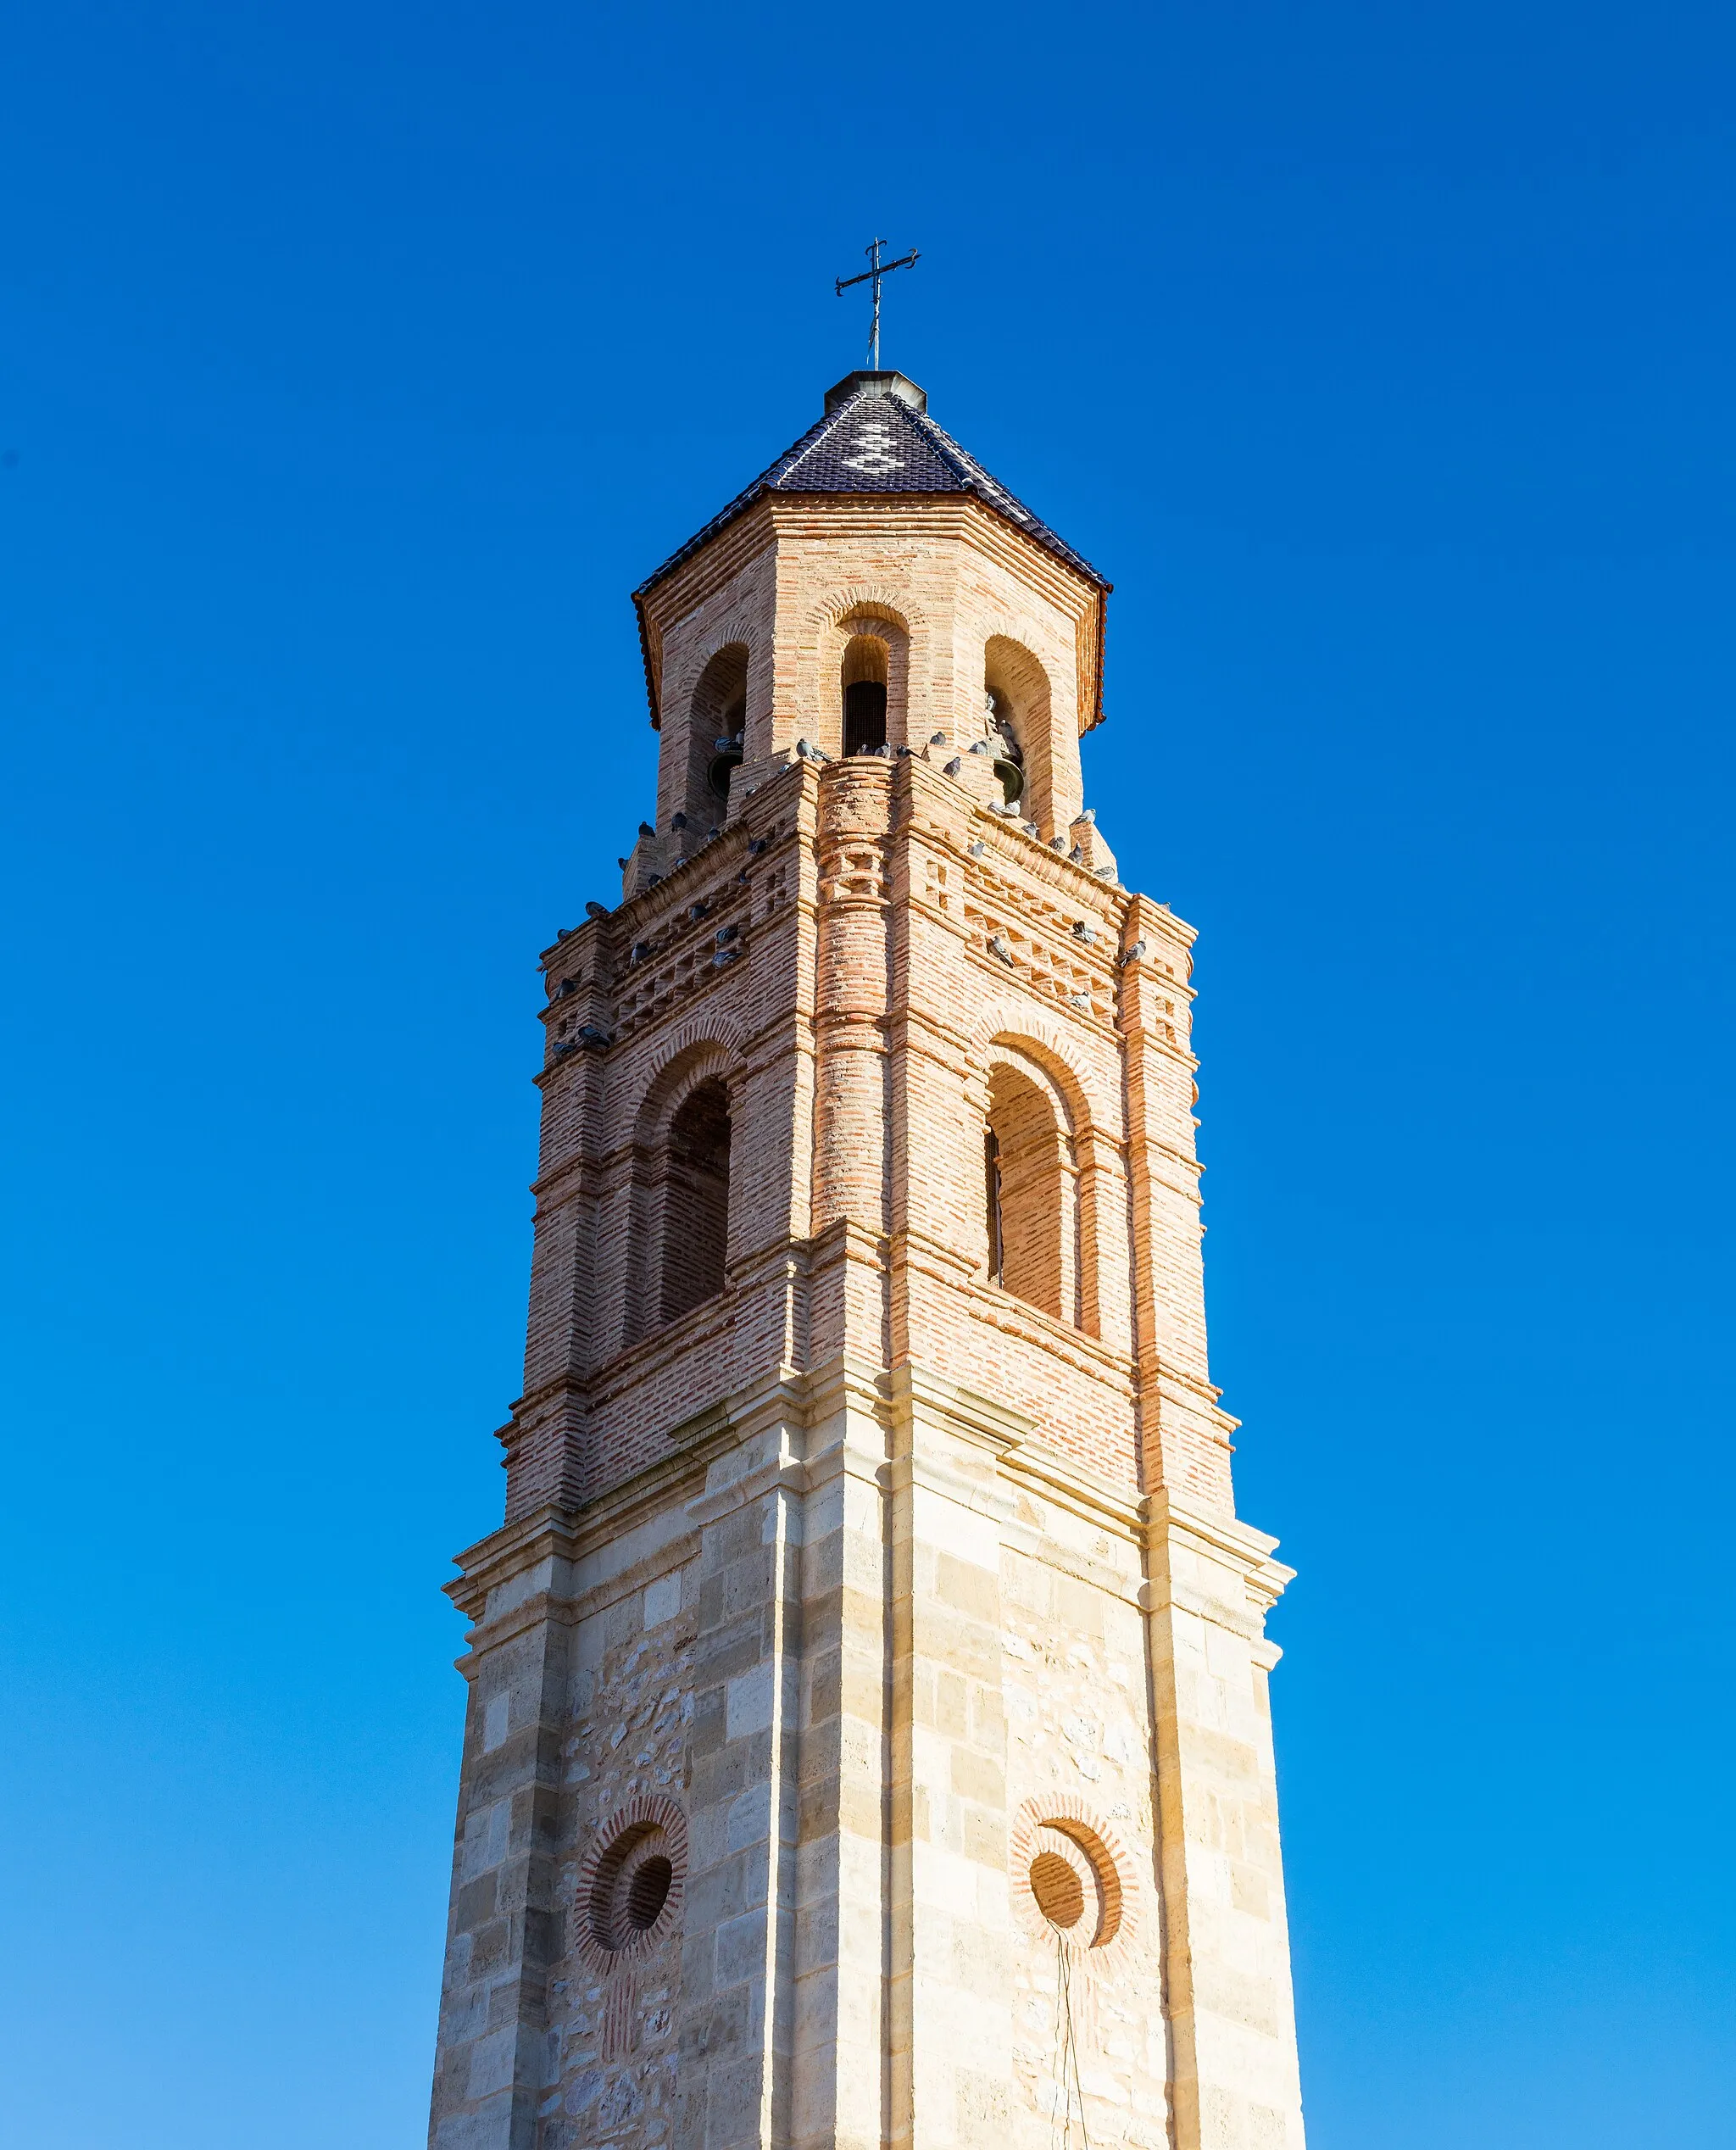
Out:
{"x": 1009, "y": 762}
{"x": 724, "y": 762}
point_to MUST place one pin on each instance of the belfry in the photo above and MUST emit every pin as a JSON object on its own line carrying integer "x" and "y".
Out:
{"x": 868, "y": 1744}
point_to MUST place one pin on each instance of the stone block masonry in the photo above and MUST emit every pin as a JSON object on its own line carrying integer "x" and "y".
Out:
{"x": 868, "y": 1740}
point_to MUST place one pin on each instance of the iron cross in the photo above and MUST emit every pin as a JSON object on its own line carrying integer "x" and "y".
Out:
{"x": 873, "y": 276}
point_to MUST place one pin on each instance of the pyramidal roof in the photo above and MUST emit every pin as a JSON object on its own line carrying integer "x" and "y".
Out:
{"x": 876, "y": 437}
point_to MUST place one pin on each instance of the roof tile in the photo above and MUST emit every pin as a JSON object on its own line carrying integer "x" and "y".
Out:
{"x": 871, "y": 440}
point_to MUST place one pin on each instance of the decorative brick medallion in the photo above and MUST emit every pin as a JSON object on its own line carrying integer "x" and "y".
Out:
{"x": 1074, "y": 1882}
{"x": 630, "y": 1882}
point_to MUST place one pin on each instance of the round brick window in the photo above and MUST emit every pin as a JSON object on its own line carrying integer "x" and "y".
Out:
{"x": 630, "y": 1884}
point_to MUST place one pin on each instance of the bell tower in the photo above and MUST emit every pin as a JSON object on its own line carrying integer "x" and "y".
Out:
{"x": 868, "y": 1744}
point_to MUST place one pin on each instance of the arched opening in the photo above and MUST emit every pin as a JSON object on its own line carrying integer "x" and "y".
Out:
{"x": 695, "y": 1222}
{"x": 1009, "y": 753}
{"x": 716, "y": 729}
{"x": 1028, "y": 1193}
{"x": 864, "y": 681}
{"x": 1031, "y": 764}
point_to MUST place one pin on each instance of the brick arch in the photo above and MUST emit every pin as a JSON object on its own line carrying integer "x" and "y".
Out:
{"x": 1062, "y": 1091}
{"x": 867, "y": 601}
{"x": 1054, "y": 644}
{"x": 1016, "y": 666}
{"x": 646, "y": 1811}
{"x": 1053, "y": 792}
{"x": 1014, "y": 1023}
{"x": 695, "y": 1049}
{"x": 700, "y": 709}
{"x": 1031, "y": 1207}
{"x": 832, "y": 621}
{"x": 739, "y": 624}
{"x": 683, "y": 748}
{"x": 1037, "y": 640}
{"x": 680, "y": 1202}
{"x": 1080, "y": 1178}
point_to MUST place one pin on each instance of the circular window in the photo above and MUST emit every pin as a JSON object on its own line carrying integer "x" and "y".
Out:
{"x": 632, "y": 1885}
{"x": 627, "y": 1892}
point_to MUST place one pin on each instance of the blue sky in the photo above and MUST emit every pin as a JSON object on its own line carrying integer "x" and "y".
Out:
{"x": 354, "y": 363}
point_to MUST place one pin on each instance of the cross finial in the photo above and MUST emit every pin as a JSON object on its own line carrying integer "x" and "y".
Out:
{"x": 873, "y": 274}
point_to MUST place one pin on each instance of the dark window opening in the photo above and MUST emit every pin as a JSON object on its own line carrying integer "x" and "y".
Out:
{"x": 991, "y": 1175}
{"x": 696, "y": 1201}
{"x": 726, "y": 750}
{"x": 864, "y": 715}
{"x": 648, "y": 1891}
{"x": 716, "y": 727}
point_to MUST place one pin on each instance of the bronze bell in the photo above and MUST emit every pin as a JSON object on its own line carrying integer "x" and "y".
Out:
{"x": 726, "y": 760}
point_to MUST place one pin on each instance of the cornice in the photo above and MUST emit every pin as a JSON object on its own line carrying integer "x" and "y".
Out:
{"x": 911, "y": 1404}
{"x": 1170, "y": 1518}
{"x": 956, "y": 516}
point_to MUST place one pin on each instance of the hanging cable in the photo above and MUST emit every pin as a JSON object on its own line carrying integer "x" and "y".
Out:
{"x": 1066, "y": 2055}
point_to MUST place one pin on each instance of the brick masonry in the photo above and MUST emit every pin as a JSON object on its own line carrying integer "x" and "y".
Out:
{"x": 819, "y": 1605}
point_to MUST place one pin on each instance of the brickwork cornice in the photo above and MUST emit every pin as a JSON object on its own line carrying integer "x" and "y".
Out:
{"x": 925, "y": 525}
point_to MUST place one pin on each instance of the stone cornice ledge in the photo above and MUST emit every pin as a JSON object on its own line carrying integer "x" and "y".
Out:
{"x": 1225, "y": 1541}
{"x": 554, "y": 1531}
{"x": 1088, "y": 1494}
{"x": 917, "y": 1392}
{"x": 793, "y": 1402}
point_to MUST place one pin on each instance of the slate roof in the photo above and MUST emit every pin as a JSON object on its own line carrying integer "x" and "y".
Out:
{"x": 873, "y": 440}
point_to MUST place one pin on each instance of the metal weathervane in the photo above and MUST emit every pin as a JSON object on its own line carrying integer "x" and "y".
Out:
{"x": 873, "y": 276}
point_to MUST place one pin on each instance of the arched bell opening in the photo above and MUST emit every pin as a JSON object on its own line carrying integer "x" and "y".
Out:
{"x": 1029, "y": 1195}
{"x": 717, "y": 727}
{"x": 864, "y": 682}
{"x": 695, "y": 1220}
{"x": 1003, "y": 731}
{"x": 1019, "y": 723}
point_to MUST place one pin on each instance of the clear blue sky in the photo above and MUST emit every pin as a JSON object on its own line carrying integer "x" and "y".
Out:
{"x": 354, "y": 363}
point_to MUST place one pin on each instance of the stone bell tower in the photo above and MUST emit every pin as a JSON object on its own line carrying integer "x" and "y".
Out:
{"x": 868, "y": 1740}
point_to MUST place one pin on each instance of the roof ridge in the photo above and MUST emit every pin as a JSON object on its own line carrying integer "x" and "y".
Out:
{"x": 942, "y": 441}
{"x": 971, "y": 470}
{"x": 779, "y": 467}
{"x": 791, "y": 455}
{"x": 982, "y": 480}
